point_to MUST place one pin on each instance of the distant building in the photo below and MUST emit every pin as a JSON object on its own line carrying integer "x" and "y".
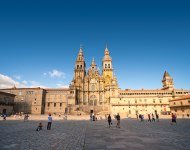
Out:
{"x": 28, "y": 100}
{"x": 180, "y": 106}
{"x": 6, "y": 102}
{"x": 96, "y": 91}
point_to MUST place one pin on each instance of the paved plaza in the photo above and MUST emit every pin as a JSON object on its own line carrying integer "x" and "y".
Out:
{"x": 83, "y": 134}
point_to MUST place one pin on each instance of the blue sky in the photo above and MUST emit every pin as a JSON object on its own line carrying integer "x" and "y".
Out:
{"x": 39, "y": 41}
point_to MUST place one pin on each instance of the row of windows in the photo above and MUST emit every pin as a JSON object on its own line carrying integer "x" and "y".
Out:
{"x": 145, "y": 93}
{"x": 79, "y": 66}
{"x": 140, "y": 100}
{"x": 29, "y": 92}
{"x": 55, "y": 104}
{"x": 179, "y": 110}
{"x": 182, "y": 102}
{"x": 55, "y": 96}
{"x": 181, "y": 92}
{"x": 107, "y": 65}
{"x": 59, "y": 100}
{"x": 162, "y": 106}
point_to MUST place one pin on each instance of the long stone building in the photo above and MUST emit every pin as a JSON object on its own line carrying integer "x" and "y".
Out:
{"x": 92, "y": 91}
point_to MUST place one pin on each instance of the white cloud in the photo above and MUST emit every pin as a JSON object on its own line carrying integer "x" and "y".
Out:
{"x": 8, "y": 82}
{"x": 25, "y": 82}
{"x": 45, "y": 74}
{"x": 56, "y": 73}
{"x": 18, "y": 77}
{"x": 61, "y": 85}
{"x": 34, "y": 84}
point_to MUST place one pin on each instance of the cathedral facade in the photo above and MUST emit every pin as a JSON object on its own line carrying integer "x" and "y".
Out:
{"x": 93, "y": 88}
{"x": 96, "y": 91}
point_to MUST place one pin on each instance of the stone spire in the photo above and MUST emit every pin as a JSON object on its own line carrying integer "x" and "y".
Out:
{"x": 93, "y": 62}
{"x": 166, "y": 74}
{"x": 80, "y": 56}
{"x": 106, "y": 54}
{"x": 167, "y": 81}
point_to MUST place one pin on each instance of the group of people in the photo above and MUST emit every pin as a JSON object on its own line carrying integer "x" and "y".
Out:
{"x": 93, "y": 117}
{"x": 117, "y": 117}
{"x": 40, "y": 126}
{"x": 151, "y": 118}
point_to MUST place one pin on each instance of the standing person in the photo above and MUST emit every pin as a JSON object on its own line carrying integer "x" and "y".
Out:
{"x": 109, "y": 121}
{"x": 49, "y": 122}
{"x": 140, "y": 116}
{"x": 153, "y": 119}
{"x": 91, "y": 117}
{"x": 157, "y": 117}
{"x": 149, "y": 118}
{"x": 174, "y": 119}
{"x": 26, "y": 117}
{"x": 118, "y": 121}
{"x": 137, "y": 116}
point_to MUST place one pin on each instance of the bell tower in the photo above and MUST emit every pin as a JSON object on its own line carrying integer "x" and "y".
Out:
{"x": 107, "y": 68}
{"x": 79, "y": 75}
{"x": 80, "y": 66}
{"x": 167, "y": 81}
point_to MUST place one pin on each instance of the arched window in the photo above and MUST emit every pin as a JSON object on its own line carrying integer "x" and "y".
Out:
{"x": 105, "y": 65}
{"x": 77, "y": 66}
{"x": 108, "y": 65}
{"x": 80, "y": 66}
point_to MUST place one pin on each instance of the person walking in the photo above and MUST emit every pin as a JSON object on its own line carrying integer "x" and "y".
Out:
{"x": 157, "y": 117}
{"x": 26, "y": 117}
{"x": 140, "y": 116}
{"x": 153, "y": 119}
{"x": 49, "y": 122}
{"x": 149, "y": 118}
{"x": 118, "y": 121}
{"x": 174, "y": 119}
{"x": 109, "y": 121}
{"x": 137, "y": 116}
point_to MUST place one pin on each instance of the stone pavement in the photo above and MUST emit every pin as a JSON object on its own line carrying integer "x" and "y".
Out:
{"x": 79, "y": 135}
{"x": 139, "y": 135}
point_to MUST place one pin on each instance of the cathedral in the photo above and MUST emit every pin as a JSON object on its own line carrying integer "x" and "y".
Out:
{"x": 93, "y": 88}
{"x": 96, "y": 91}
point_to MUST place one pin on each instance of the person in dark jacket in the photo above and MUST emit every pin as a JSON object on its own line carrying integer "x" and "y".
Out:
{"x": 109, "y": 121}
{"x": 118, "y": 121}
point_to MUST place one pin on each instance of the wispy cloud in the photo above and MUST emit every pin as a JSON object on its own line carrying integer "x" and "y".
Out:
{"x": 33, "y": 84}
{"x": 55, "y": 74}
{"x": 62, "y": 85}
{"x": 25, "y": 82}
{"x": 18, "y": 77}
{"x": 8, "y": 82}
